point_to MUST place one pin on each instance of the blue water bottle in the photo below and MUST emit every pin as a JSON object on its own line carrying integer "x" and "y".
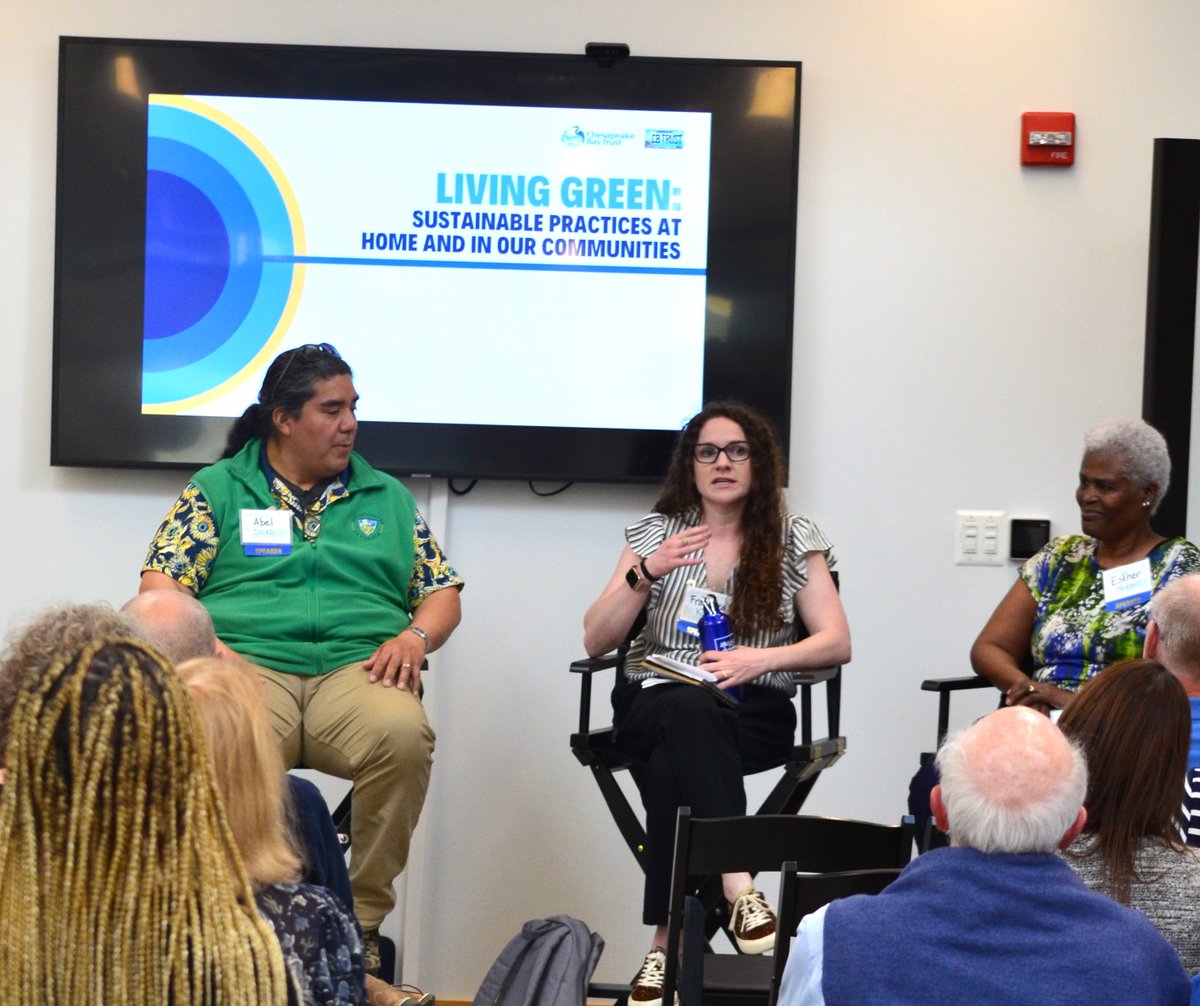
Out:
{"x": 716, "y": 633}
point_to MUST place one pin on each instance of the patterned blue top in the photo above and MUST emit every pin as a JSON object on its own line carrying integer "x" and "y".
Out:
{"x": 1074, "y": 637}
{"x": 322, "y": 944}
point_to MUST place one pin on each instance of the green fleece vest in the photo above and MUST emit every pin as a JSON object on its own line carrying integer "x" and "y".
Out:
{"x": 332, "y": 600}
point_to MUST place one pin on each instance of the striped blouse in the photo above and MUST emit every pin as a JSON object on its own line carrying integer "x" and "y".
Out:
{"x": 661, "y": 636}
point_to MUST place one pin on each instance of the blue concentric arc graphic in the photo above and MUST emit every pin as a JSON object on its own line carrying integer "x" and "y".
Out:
{"x": 219, "y": 237}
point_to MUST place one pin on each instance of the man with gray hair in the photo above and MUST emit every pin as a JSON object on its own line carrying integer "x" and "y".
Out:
{"x": 176, "y": 623}
{"x": 997, "y": 917}
{"x": 1173, "y": 639}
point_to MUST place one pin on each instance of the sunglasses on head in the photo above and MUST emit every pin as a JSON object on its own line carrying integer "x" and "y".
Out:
{"x": 309, "y": 351}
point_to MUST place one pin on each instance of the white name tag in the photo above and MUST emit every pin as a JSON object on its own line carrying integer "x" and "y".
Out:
{"x": 266, "y": 532}
{"x": 1126, "y": 586}
{"x": 691, "y": 608}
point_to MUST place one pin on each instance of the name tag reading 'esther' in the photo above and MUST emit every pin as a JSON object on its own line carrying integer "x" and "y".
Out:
{"x": 266, "y": 532}
{"x": 1126, "y": 586}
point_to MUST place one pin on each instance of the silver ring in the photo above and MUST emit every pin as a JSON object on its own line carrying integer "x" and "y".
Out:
{"x": 1032, "y": 688}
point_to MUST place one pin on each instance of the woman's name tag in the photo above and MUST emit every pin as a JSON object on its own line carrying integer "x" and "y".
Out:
{"x": 266, "y": 532}
{"x": 1126, "y": 586}
{"x": 691, "y": 608}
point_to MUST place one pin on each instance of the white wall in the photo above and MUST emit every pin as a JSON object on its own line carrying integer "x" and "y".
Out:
{"x": 960, "y": 322}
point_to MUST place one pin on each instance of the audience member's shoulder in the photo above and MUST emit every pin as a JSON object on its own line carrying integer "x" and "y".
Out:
{"x": 302, "y": 788}
{"x": 317, "y": 908}
{"x": 1178, "y": 866}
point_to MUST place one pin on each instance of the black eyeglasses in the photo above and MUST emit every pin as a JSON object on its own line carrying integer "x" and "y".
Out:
{"x": 309, "y": 351}
{"x": 736, "y": 450}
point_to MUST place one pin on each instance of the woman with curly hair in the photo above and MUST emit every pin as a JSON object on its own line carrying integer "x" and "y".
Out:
{"x": 121, "y": 879}
{"x": 720, "y": 528}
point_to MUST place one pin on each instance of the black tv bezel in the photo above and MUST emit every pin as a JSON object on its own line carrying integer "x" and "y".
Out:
{"x": 96, "y": 418}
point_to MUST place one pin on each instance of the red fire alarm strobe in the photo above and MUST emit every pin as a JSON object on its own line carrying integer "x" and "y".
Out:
{"x": 1048, "y": 138}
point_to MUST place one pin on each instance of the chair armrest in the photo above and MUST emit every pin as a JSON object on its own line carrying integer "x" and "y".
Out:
{"x": 590, "y": 665}
{"x": 944, "y": 687}
{"x": 585, "y": 668}
{"x": 815, "y": 677}
{"x": 955, "y": 684}
{"x": 831, "y": 677}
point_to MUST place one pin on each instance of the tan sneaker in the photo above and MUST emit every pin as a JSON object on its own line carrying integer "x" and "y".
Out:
{"x": 646, "y": 989}
{"x": 752, "y": 922}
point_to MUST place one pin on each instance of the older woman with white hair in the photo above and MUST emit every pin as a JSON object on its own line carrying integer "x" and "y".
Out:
{"x": 1080, "y": 604}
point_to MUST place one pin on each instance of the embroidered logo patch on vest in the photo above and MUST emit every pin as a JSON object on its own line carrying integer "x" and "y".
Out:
{"x": 369, "y": 527}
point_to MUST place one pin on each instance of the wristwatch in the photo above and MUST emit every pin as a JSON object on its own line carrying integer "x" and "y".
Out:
{"x": 417, "y": 630}
{"x": 636, "y": 577}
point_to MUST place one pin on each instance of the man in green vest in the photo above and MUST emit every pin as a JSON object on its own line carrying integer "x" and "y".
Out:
{"x": 320, "y": 571}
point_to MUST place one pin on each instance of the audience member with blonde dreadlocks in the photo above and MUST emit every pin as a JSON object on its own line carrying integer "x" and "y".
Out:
{"x": 121, "y": 879}
{"x": 31, "y": 648}
{"x": 322, "y": 943}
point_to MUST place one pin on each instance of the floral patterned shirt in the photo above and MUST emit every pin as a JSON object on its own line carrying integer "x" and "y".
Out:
{"x": 322, "y": 944}
{"x": 1074, "y": 637}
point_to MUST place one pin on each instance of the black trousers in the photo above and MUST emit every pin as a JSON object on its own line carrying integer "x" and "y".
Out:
{"x": 696, "y": 750}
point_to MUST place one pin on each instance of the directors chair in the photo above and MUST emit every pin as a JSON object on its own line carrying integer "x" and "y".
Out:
{"x": 596, "y": 749}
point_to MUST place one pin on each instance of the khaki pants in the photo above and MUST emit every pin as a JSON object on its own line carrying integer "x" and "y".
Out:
{"x": 379, "y": 738}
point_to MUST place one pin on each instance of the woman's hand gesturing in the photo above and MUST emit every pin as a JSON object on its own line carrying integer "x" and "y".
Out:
{"x": 678, "y": 550}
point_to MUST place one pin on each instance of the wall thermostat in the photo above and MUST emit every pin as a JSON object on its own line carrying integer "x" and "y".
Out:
{"x": 1028, "y": 534}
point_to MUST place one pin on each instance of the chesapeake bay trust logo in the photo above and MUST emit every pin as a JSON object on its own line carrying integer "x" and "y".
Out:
{"x": 664, "y": 139}
{"x": 574, "y": 136}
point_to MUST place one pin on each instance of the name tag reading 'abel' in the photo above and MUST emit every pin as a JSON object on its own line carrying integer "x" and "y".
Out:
{"x": 266, "y": 532}
{"x": 1125, "y": 586}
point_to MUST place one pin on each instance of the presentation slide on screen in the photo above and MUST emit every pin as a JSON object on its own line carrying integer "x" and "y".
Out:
{"x": 473, "y": 264}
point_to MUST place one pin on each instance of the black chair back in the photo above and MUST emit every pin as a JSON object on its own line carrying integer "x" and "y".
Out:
{"x": 706, "y": 847}
{"x": 803, "y": 893}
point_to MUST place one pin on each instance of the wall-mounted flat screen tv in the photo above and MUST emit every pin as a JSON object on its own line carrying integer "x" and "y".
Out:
{"x": 538, "y": 266}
